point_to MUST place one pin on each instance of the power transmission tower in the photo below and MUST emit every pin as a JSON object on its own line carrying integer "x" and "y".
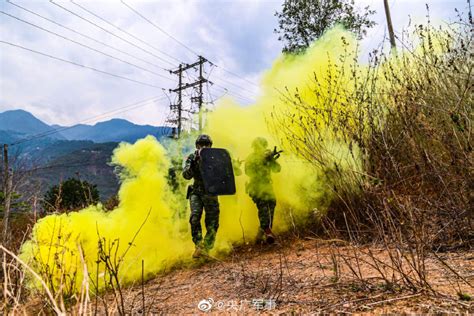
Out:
{"x": 389, "y": 25}
{"x": 178, "y": 108}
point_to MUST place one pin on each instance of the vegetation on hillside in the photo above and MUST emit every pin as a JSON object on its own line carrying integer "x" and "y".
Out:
{"x": 70, "y": 195}
{"x": 406, "y": 119}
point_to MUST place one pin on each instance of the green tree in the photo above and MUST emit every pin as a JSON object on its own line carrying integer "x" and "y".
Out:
{"x": 302, "y": 21}
{"x": 70, "y": 195}
{"x": 17, "y": 204}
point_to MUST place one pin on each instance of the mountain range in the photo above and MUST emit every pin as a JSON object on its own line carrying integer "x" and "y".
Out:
{"x": 115, "y": 130}
{"x": 57, "y": 152}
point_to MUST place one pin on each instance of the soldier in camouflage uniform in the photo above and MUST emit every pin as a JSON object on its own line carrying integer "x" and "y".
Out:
{"x": 258, "y": 166}
{"x": 199, "y": 199}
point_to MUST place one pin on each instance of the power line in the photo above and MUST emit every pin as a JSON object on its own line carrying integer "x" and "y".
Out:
{"x": 233, "y": 93}
{"x": 184, "y": 45}
{"x": 214, "y": 99}
{"x": 84, "y": 45}
{"x": 160, "y": 29}
{"x": 156, "y": 26}
{"x": 236, "y": 75}
{"x": 236, "y": 85}
{"x": 126, "y": 108}
{"x": 92, "y": 13}
{"x": 54, "y": 131}
{"x": 53, "y": 166}
{"x": 246, "y": 99}
{"x": 84, "y": 35}
{"x": 103, "y": 115}
{"x": 109, "y": 32}
{"x": 79, "y": 65}
{"x": 228, "y": 91}
{"x": 178, "y": 108}
{"x": 122, "y": 30}
{"x": 228, "y": 82}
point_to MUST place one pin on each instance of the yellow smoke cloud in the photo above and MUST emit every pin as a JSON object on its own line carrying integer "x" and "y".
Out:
{"x": 144, "y": 210}
{"x": 146, "y": 224}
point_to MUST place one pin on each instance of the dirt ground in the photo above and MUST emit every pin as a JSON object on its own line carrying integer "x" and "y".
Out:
{"x": 305, "y": 276}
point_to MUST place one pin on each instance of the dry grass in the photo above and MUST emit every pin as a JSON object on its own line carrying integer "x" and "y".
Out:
{"x": 304, "y": 276}
{"x": 399, "y": 232}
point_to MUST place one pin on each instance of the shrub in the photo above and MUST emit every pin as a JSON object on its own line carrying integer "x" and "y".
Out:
{"x": 407, "y": 119}
{"x": 72, "y": 194}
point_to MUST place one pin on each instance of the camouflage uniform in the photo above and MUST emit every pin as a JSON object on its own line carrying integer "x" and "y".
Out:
{"x": 198, "y": 200}
{"x": 258, "y": 167}
{"x": 172, "y": 178}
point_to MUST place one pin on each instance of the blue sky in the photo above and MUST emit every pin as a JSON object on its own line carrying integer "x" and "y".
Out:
{"x": 236, "y": 35}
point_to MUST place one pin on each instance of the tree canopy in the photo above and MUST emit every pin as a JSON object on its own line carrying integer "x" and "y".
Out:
{"x": 17, "y": 203}
{"x": 69, "y": 195}
{"x": 300, "y": 22}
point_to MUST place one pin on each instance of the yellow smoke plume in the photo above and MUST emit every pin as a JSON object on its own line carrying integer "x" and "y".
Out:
{"x": 147, "y": 224}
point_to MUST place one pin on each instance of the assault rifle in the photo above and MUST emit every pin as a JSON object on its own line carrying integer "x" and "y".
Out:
{"x": 274, "y": 155}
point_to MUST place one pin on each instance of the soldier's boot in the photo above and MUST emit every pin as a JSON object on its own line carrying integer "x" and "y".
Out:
{"x": 260, "y": 239}
{"x": 269, "y": 236}
{"x": 199, "y": 252}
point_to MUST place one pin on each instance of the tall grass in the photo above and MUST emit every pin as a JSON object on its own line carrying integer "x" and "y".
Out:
{"x": 407, "y": 118}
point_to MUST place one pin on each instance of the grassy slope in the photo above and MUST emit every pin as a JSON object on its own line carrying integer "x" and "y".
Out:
{"x": 300, "y": 276}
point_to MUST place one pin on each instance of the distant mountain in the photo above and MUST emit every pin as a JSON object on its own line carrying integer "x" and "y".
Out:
{"x": 76, "y": 132}
{"x": 79, "y": 151}
{"x": 9, "y": 137}
{"x": 23, "y": 122}
{"x": 115, "y": 130}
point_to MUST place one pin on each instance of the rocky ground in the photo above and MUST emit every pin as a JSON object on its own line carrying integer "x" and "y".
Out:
{"x": 306, "y": 276}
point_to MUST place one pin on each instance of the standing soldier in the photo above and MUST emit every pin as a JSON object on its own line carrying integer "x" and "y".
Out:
{"x": 258, "y": 166}
{"x": 199, "y": 199}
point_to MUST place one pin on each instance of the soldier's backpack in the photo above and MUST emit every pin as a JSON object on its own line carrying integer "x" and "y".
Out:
{"x": 217, "y": 172}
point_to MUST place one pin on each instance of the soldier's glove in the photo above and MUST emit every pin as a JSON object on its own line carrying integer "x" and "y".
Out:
{"x": 238, "y": 162}
{"x": 274, "y": 155}
{"x": 196, "y": 157}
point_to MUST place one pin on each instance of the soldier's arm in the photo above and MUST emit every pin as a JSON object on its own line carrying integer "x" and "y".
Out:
{"x": 247, "y": 166}
{"x": 275, "y": 166}
{"x": 236, "y": 164}
{"x": 188, "y": 170}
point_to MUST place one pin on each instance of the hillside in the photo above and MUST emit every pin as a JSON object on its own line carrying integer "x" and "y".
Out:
{"x": 48, "y": 161}
{"x": 300, "y": 277}
{"x": 23, "y": 122}
{"x": 90, "y": 162}
{"x": 79, "y": 150}
{"x": 9, "y": 136}
{"x": 114, "y": 130}
{"x": 297, "y": 276}
{"x": 25, "y": 125}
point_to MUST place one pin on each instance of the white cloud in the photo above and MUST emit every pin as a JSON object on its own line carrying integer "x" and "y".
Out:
{"x": 237, "y": 35}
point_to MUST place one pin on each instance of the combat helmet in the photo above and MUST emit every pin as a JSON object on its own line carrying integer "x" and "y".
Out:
{"x": 204, "y": 140}
{"x": 259, "y": 143}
